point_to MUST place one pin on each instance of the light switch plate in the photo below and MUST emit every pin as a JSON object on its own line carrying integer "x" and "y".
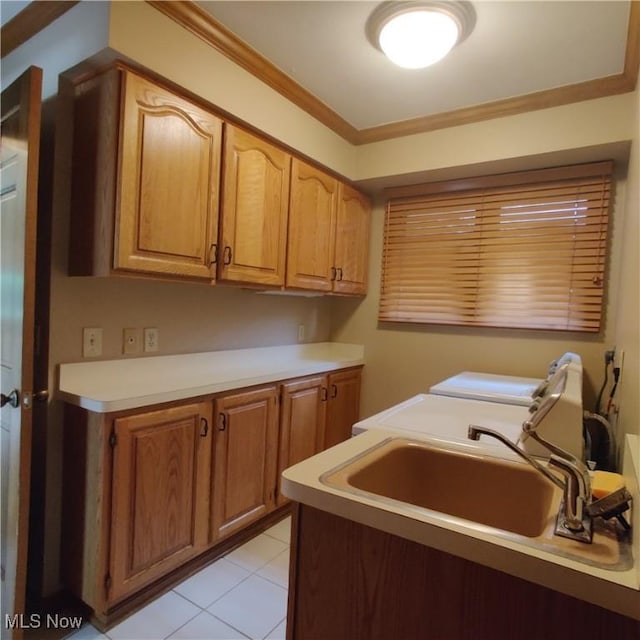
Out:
{"x": 91, "y": 342}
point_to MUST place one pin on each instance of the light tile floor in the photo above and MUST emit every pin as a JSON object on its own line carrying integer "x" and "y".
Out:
{"x": 242, "y": 595}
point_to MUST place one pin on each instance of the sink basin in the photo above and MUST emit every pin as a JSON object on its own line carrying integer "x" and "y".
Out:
{"x": 509, "y": 496}
{"x": 494, "y": 492}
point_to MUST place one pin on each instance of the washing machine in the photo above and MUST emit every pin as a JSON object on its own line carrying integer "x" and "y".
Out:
{"x": 447, "y": 418}
{"x": 503, "y": 389}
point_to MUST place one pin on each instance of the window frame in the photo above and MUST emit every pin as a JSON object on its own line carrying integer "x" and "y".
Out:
{"x": 428, "y": 217}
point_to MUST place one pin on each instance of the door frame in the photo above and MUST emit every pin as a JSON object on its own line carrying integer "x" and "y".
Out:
{"x": 25, "y": 93}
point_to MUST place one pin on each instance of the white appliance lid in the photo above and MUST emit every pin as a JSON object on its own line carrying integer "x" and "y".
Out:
{"x": 488, "y": 387}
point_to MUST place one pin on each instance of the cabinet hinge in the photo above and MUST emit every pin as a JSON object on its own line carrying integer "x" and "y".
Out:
{"x": 112, "y": 439}
{"x": 107, "y": 582}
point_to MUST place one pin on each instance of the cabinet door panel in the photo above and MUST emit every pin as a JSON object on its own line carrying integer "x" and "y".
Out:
{"x": 312, "y": 217}
{"x": 343, "y": 408}
{"x": 302, "y": 419}
{"x": 254, "y": 210}
{"x": 168, "y": 201}
{"x": 245, "y": 446}
{"x": 160, "y": 497}
{"x": 352, "y": 242}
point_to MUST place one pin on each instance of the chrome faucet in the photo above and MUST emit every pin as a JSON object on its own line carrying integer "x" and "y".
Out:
{"x": 573, "y": 520}
{"x": 475, "y": 431}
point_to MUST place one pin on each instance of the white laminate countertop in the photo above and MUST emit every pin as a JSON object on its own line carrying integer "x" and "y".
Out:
{"x": 115, "y": 385}
{"x": 615, "y": 590}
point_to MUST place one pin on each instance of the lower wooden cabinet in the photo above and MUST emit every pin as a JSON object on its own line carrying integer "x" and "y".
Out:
{"x": 147, "y": 491}
{"x": 316, "y": 413}
{"x": 161, "y": 469}
{"x": 245, "y": 445}
{"x": 302, "y": 420}
{"x": 343, "y": 406}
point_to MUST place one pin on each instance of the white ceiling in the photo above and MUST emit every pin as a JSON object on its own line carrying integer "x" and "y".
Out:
{"x": 516, "y": 48}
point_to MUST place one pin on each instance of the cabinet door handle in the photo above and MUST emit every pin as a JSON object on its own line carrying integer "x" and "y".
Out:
{"x": 222, "y": 421}
{"x": 226, "y": 257}
{"x": 339, "y": 273}
{"x": 213, "y": 254}
{"x": 334, "y": 273}
{"x": 324, "y": 394}
{"x": 334, "y": 391}
{"x": 204, "y": 423}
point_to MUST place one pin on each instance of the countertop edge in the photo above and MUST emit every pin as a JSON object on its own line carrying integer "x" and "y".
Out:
{"x": 97, "y": 401}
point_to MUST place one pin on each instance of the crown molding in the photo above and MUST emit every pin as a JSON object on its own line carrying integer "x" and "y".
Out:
{"x": 32, "y": 19}
{"x": 39, "y": 14}
{"x": 190, "y": 16}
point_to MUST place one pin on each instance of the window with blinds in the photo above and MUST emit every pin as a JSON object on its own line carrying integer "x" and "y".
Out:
{"x": 524, "y": 250}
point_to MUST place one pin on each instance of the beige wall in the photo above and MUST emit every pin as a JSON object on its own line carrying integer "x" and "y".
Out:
{"x": 173, "y": 52}
{"x": 400, "y": 362}
{"x": 627, "y": 335}
{"x": 511, "y": 143}
{"x": 404, "y": 360}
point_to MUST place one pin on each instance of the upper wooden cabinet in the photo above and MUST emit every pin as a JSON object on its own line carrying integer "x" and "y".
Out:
{"x": 352, "y": 241}
{"x": 255, "y": 200}
{"x": 328, "y": 244}
{"x": 312, "y": 227}
{"x": 146, "y": 167}
{"x": 162, "y": 187}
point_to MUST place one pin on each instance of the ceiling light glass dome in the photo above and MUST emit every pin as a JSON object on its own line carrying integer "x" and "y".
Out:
{"x": 414, "y": 35}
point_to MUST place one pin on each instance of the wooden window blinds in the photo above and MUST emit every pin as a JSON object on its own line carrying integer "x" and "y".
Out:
{"x": 524, "y": 250}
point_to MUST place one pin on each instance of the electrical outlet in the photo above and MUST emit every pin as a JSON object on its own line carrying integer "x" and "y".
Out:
{"x": 131, "y": 341}
{"x": 150, "y": 339}
{"x": 91, "y": 342}
{"x": 301, "y": 333}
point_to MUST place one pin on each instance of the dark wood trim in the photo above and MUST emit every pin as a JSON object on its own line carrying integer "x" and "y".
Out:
{"x": 569, "y": 94}
{"x": 32, "y": 19}
{"x": 190, "y": 16}
{"x": 187, "y": 14}
{"x": 632, "y": 55}
{"x": 199, "y": 22}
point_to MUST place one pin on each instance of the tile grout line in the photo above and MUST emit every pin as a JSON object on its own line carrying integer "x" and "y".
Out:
{"x": 279, "y": 623}
{"x": 229, "y": 590}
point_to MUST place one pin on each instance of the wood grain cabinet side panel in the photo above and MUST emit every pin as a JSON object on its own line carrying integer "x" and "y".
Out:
{"x": 245, "y": 459}
{"x": 352, "y": 242}
{"x": 390, "y": 587}
{"x": 253, "y": 221}
{"x": 167, "y": 215}
{"x": 312, "y": 224}
{"x": 161, "y": 466}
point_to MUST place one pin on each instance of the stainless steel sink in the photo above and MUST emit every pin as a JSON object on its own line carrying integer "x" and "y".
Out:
{"x": 509, "y": 497}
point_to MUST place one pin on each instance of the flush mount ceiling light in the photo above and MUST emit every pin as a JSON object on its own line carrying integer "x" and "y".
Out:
{"x": 417, "y": 34}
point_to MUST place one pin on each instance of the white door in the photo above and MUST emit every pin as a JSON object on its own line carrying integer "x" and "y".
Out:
{"x": 19, "y": 149}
